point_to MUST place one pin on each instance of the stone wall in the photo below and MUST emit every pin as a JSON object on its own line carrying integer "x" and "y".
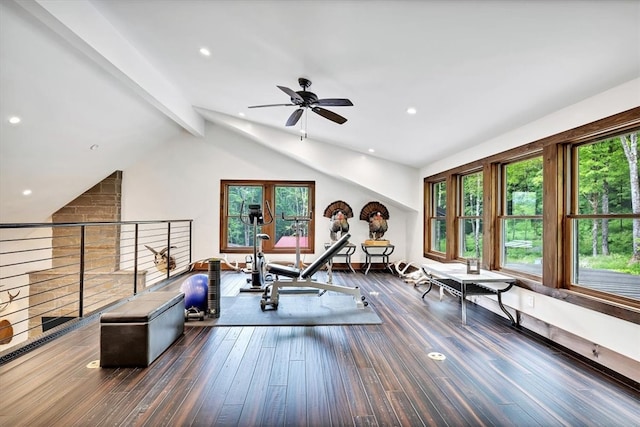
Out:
{"x": 55, "y": 292}
{"x": 100, "y": 203}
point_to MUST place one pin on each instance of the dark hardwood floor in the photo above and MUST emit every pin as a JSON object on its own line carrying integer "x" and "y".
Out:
{"x": 376, "y": 375}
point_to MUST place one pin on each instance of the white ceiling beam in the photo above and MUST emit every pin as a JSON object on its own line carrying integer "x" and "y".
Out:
{"x": 82, "y": 25}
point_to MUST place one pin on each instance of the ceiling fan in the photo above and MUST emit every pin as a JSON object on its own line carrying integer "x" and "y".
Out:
{"x": 305, "y": 99}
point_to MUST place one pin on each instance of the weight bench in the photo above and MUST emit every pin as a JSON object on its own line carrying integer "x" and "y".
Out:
{"x": 303, "y": 278}
{"x": 137, "y": 332}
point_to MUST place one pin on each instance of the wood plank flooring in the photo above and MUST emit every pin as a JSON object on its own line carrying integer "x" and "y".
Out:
{"x": 365, "y": 375}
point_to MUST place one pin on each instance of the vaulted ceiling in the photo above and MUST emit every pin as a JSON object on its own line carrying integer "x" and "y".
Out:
{"x": 125, "y": 75}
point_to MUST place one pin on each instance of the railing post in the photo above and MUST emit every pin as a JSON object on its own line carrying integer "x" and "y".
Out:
{"x": 81, "y": 284}
{"x": 168, "y": 249}
{"x": 135, "y": 259}
{"x": 190, "y": 241}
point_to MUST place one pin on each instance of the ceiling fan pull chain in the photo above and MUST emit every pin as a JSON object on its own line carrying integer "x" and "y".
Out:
{"x": 303, "y": 129}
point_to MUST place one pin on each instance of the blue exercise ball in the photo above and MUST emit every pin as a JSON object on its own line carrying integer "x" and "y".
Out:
{"x": 195, "y": 290}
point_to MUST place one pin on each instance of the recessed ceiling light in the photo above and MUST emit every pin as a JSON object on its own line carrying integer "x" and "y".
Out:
{"x": 241, "y": 114}
{"x": 14, "y": 120}
{"x": 204, "y": 51}
{"x": 26, "y": 192}
{"x": 371, "y": 150}
{"x": 411, "y": 110}
{"x": 94, "y": 147}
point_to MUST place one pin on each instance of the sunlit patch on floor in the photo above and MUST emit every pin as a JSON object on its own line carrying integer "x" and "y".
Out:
{"x": 436, "y": 356}
{"x": 94, "y": 364}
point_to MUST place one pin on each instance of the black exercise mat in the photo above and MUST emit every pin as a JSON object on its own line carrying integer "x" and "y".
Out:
{"x": 293, "y": 310}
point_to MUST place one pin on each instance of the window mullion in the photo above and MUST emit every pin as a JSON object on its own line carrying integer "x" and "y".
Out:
{"x": 268, "y": 194}
{"x": 491, "y": 204}
{"x": 450, "y": 219}
{"x": 553, "y": 261}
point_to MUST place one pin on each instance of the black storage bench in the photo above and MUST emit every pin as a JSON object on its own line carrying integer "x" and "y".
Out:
{"x": 137, "y": 332}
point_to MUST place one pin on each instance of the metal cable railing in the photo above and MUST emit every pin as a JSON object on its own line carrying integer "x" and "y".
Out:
{"x": 53, "y": 274}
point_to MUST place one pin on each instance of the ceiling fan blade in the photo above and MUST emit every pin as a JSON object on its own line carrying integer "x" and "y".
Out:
{"x": 329, "y": 115}
{"x": 294, "y": 117}
{"x": 294, "y": 96}
{"x": 272, "y": 105}
{"x": 334, "y": 102}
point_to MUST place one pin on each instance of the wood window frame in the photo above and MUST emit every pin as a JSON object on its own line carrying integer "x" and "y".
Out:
{"x": 460, "y": 216}
{"x": 570, "y": 152}
{"x": 432, "y": 217}
{"x": 268, "y": 194}
{"x": 501, "y": 212}
{"x": 556, "y": 233}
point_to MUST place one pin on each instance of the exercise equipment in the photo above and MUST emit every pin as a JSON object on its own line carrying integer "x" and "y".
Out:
{"x": 258, "y": 272}
{"x": 296, "y": 226}
{"x": 305, "y": 278}
{"x": 214, "y": 288}
{"x": 195, "y": 291}
{"x": 298, "y": 263}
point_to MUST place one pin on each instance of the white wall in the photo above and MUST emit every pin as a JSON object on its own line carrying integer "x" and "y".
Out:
{"x": 610, "y": 102}
{"x": 616, "y": 334}
{"x": 181, "y": 180}
{"x": 391, "y": 181}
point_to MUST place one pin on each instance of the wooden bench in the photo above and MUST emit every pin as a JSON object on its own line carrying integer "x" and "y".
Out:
{"x": 137, "y": 332}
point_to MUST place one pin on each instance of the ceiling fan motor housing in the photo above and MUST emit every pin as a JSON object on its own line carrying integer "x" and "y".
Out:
{"x": 309, "y": 98}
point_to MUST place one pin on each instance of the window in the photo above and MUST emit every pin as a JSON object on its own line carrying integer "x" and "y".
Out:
{"x": 276, "y": 199}
{"x": 438, "y": 217}
{"x": 562, "y": 212}
{"x": 521, "y": 219}
{"x": 605, "y": 216}
{"x": 470, "y": 218}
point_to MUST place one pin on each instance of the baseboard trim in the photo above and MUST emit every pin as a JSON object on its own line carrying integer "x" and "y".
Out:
{"x": 615, "y": 365}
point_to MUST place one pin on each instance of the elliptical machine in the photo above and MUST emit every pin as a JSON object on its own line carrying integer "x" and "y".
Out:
{"x": 258, "y": 267}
